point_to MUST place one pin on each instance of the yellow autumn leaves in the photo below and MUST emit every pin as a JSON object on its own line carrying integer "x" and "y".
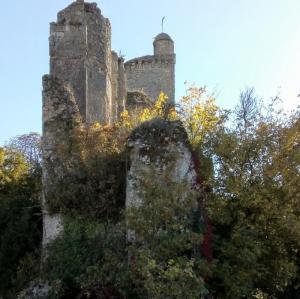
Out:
{"x": 13, "y": 166}
{"x": 199, "y": 113}
{"x": 197, "y": 110}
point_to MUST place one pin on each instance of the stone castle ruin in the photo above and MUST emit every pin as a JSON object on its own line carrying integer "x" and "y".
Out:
{"x": 90, "y": 83}
{"x": 81, "y": 56}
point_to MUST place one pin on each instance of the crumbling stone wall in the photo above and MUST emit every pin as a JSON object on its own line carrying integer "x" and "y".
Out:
{"x": 121, "y": 94}
{"x": 60, "y": 118}
{"x": 115, "y": 73}
{"x": 158, "y": 149}
{"x": 118, "y": 86}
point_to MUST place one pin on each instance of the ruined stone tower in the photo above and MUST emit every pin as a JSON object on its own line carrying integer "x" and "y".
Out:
{"x": 80, "y": 54}
{"x": 154, "y": 74}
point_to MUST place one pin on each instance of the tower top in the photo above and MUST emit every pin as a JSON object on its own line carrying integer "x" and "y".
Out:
{"x": 163, "y": 36}
{"x": 163, "y": 44}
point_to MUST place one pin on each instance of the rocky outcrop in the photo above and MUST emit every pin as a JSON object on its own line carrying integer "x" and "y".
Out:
{"x": 158, "y": 149}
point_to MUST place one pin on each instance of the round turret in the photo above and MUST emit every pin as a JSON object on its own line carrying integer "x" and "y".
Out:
{"x": 163, "y": 44}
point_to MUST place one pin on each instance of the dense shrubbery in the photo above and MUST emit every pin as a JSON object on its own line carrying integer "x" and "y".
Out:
{"x": 250, "y": 172}
{"x": 88, "y": 259}
{"x": 163, "y": 261}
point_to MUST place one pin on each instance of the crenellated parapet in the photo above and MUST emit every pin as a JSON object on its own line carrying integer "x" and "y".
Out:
{"x": 150, "y": 61}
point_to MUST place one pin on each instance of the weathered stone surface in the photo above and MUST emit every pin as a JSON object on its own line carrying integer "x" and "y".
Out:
{"x": 35, "y": 291}
{"x": 121, "y": 94}
{"x": 136, "y": 100}
{"x": 80, "y": 51}
{"x": 52, "y": 227}
{"x": 158, "y": 149}
{"x": 163, "y": 44}
{"x": 60, "y": 118}
{"x": 118, "y": 86}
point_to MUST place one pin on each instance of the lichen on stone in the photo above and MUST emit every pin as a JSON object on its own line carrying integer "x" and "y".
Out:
{"x": 154, "y": 136}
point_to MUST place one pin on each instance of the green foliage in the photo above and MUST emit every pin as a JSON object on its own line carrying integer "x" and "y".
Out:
{"x": 250, "y": 171}
{"x": 88, "y": 259}
{"x": 255, "y": 203}
{"x": 96, "y": 189}
{"x": 162, "y": 261}
{"x": 165, "y": 246}
{"x": 93, "y": 180}
{"x": 20, "y": 219}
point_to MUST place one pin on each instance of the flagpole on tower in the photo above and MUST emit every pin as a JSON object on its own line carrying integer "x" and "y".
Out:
{"x": 162, "y": 24}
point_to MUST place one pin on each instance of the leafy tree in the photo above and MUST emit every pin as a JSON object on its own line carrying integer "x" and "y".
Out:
{"x": 29, "y": 145}
{"x": 165, "y": 252}
{"x": 255, "y": 206}
{"x": 20, "y": 218}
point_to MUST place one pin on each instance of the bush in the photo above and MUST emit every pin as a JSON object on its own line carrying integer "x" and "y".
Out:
{"x": 164, "y": 260}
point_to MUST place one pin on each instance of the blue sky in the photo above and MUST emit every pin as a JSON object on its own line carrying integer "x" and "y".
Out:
{"x": 223, "y": 44}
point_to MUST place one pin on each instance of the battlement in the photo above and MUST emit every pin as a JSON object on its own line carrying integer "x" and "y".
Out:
{"x": 150, "y": 61}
